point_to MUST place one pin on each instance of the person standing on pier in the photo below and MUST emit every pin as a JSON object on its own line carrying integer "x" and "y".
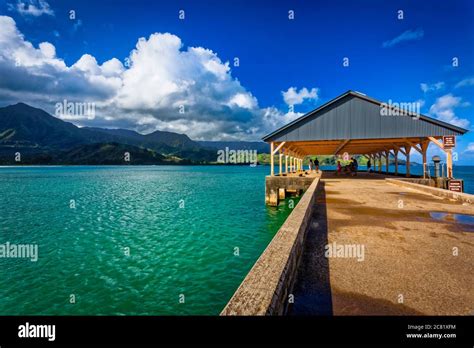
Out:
{"x": 310, "y": 164}
{"x": 369, "y": 165}
{"x": 354, "y": 165}
{"x": 316, "y": 164}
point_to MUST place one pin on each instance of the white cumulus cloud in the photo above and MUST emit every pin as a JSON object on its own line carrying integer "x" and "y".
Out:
{"x": 443, "y": 110}
{"x": 294, "y": 97}
{"x": 34, "y": 8}
{"x": 165, "y": 86}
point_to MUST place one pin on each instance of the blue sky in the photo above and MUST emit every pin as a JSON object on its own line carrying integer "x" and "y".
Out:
{"x": 404, "y": 60}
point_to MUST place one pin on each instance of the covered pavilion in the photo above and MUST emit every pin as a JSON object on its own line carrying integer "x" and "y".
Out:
{"x": 356, "y": 124}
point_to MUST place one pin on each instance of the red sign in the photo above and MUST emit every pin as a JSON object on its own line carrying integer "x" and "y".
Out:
{"x": 455, "y": 185}
{"x": 449, "y": 141}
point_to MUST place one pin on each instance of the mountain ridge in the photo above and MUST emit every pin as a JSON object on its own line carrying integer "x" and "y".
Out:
{"x": 43, "y": 137}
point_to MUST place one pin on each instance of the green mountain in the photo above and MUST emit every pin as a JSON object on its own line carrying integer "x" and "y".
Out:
{"x": 23, "y": 126}
{"x": 109, "y": 153}
{"x": 167, "y": 143}
{"x": 41, "y": 137}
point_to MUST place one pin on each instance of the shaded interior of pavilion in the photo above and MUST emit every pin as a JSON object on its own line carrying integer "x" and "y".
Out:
{"x": 289, "y": 156}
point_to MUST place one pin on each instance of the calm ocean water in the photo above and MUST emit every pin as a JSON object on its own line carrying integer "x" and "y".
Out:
{"x": 173, "y": 250}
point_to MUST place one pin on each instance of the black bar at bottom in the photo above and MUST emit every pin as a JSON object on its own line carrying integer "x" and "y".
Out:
{"x": 244, "y": 330}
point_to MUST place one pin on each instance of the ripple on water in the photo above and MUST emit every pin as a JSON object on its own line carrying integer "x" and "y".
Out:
{"x": 173, "y": 250}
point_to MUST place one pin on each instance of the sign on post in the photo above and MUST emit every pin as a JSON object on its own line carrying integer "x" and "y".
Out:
{"x": 455, "y": 185}
{"x": 449, "y": 141}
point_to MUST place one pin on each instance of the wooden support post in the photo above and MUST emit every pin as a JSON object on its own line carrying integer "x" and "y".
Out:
{"x": 286, "y": 164}
{"x": 272, "y": 169}
{"x": 449, "y": 163}
{"x": 395, "y": 153}
{"x": 387, "y": 161}
{"x": 407, "y": 163}
{"x": 424, "y": 148}
{"x": 380, "y": 162}
{"x": 280, "y": 156}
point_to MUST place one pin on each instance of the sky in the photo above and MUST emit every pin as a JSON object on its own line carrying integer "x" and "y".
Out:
{"x": 237, "y": 69}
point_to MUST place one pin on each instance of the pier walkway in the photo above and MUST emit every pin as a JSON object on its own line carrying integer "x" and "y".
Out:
{"x": 414, "y": 257}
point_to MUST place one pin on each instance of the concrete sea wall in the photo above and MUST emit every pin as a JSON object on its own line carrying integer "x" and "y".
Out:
{"x": 266, "y": 288}
{"x": 420, "y": 186}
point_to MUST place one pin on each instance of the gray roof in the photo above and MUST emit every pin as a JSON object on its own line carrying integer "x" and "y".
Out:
{"x": 353, "y": 115}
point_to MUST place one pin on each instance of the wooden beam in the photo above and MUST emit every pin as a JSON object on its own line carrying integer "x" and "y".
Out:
{"x": 278, "y": 148}
{"x": 400, "y": 149}
{"x": 414, "y": 146}
{"x": 437, "y": 142}
{"x": 341, "y": 146}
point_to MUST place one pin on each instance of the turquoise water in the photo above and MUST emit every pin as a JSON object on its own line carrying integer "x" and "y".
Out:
{"x": 174, "y": 250}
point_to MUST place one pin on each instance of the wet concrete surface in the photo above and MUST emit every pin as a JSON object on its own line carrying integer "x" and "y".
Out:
{"x": 418, "y": 252}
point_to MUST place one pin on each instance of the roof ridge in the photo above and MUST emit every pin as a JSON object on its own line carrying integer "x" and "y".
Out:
{"x": 365, "y": 97}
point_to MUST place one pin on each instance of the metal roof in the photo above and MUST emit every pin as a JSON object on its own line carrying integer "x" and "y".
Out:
{"x": 354, "y": 115}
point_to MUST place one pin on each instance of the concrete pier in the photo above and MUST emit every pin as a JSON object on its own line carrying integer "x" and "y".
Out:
{"x": 411, "y": 251}
{"x": 418, "y": 252}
